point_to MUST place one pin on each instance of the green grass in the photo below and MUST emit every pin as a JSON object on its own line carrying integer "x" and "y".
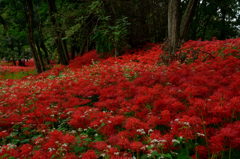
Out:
{"x": 16, "y": 75}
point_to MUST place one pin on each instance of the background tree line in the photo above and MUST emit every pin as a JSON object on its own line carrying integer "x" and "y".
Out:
{"x": 61, "y": 29}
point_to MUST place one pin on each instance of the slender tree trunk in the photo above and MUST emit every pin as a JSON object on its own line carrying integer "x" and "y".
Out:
{"x": 73, "y": 50}
{"x": 173, "y": 28}
{"x": 57, "y": 33}
{"x": 64, "y": 44}
{"x": 29, "y": 17}
{"x": 40, "y": 55}
{"x": 19, "y": 60}
{"x": 170, "y": 53}
{"x": 13, "y": 60}
{"x": 187, "y": 19}
{"x": 42, "y": 45}
{"x": 83, "y": 47}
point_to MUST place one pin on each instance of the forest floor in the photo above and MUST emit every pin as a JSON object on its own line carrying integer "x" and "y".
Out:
{"x": 126, "y": 107}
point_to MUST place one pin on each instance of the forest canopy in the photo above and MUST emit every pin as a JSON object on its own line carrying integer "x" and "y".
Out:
{"x": 61, "y": 29}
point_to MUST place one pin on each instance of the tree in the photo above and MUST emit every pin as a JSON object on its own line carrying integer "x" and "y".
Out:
{"x": 187, "y": 19}
{"x": 177, "y": 32}
{"x": 173, "y": 30}
{"x": 29, "y": 17}
{"x": 56, "y": 29}
{"x": 109, "y": 26}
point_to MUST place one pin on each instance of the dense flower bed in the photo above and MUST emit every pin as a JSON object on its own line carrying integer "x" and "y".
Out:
{"x": 9, "y": 67}
{"x": 127, "y": 107}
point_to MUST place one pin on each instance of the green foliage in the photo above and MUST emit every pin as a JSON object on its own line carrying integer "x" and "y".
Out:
{"x": 155, "y": 154}
{"x": 20, "y": 136}
{"x": 109, "y": 37}
{"x": 108, "y": 26}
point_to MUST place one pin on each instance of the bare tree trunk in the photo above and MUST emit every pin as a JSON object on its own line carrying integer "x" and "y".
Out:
{"x": 57, "y": 33}
{"x": 64, "y": 44}
{"x": 83, "y": 47}
{"x": 72, "y": 52}
{"x": 187, "y": 19}
{"x": 173, "y": 43}
{"x": 173, "y": 28}
{"x": 29, "y": 17}
{"x": 41, "y": 42}
{"x": 40, "y": 55}
{"x": 13, "y": 60}
{"x": 19, "y": 60}
{"x": 42, "y": 45}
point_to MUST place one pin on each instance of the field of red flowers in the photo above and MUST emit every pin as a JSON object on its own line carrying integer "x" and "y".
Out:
{"x": 8, "y": 67}
{"x": 127, "y": 107}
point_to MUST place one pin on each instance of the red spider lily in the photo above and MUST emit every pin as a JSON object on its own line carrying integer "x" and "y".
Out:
{"x": 130, "y": 102}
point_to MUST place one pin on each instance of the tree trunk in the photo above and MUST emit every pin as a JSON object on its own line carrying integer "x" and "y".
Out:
{"x": 19, "y": 60}
{"x": 58, "y": 41}
{"x": 83, "y": 47}
{"x": 42, "y": 45}
{"x": 73, "y": 48}
{"x": 13, "y": 60}
{"x": 173, "y": 28}
{"x": 173, "y": 43}
{"x": 64, "y": 44}
{"x": 187, "y": 19}
{"x": 29, "y": 17}
{"x": 40, "y": 56}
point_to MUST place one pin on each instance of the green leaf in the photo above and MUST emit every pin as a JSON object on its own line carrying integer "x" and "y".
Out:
{"x": 101, "y": 126}
{"x": 48, "y": 123}
{"x": 90, "y": 132}
{"x": 155, "y": 153}
{"x": 87, "y": 139}
{"x": 5, "y": 155}
{"x": 14, "y": 133}
{"x": 35, "y": 137}
{"x": 11, "y": 157}
{"x": 53, "y": 156}
{"x": 15, "y": 141}
{"x": 183, "y": 156}
{"x": 25, "y": 129}
{"x": 144, "y": 156}
{"x": 25, "y": 141}
{"x": 98, "y": 138}
{"x": 15, "y": 126}
{"x": 167, "y": 156}
{"x": 79, "y": 149}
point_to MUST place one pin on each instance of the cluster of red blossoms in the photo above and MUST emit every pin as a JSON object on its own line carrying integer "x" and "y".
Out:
{"x": 127, "y": 107}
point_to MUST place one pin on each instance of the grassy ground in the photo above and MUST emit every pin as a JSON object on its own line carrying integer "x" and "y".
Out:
{"x": 16, "y": 75}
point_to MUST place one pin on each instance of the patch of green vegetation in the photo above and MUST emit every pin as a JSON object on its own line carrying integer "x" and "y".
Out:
{"x": 16, "y": 75}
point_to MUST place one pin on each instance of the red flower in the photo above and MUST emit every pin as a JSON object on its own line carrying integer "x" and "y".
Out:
{"x": 26, "y": 150}
{"x": 136, "y": 146}
{"x": 90, "y": 154}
